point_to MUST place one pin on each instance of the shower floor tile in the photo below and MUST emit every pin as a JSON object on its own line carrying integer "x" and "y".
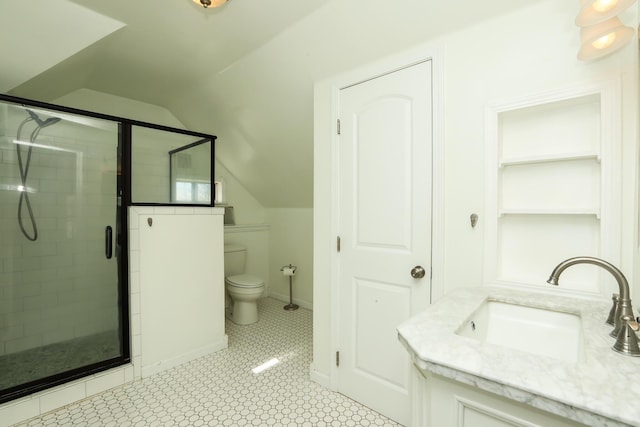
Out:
{"x": 34, "y": 364}
{"x": 228, "y": 388}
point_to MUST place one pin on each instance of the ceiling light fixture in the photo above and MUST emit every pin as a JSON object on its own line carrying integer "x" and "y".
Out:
{"x": 595, "y": 11}
{"x": 603, "y": 38}
{"x": 212, "y": 3}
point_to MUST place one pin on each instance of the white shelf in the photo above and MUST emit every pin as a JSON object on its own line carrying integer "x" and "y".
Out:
{"x": 595, "y": 212}
{"x": 553, "y": 179}
{"x": 245, "y": 228}
{"x": 528, "y": 160}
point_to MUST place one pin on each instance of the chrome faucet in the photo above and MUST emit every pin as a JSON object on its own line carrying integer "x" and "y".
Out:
{"x": 625, "y": 326}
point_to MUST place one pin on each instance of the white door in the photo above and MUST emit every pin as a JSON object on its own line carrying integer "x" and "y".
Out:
{"x": 385, "y": 230}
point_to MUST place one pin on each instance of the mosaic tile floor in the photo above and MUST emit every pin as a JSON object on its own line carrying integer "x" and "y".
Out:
{"x": 30, "y": 365}
{"x": 222, "y": 390}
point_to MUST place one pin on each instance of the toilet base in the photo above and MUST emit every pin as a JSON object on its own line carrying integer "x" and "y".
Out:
{"x": 244, "y": 312}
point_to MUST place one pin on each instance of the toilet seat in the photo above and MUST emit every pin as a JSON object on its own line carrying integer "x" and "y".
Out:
{"x": 244, "y": 281}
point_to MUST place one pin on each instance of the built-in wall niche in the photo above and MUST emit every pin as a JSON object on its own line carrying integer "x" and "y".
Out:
{"x": 553, "y": 187}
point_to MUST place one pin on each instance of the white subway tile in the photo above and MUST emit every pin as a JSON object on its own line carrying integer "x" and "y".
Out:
{"x": 39, "y": 249}
{"x": 129, "y": 374}
{"x": 166, "y": 210}
{"x": 61, "y": 396}
{"x": 135, "y": 303}
{"x": 134, "y": 261}
{"x": 25, "y": 343}
{"x": 141, "y": 210}
{"x": 135, "y": 324}
{"x": 134, "y": 241}
{"x": 20, "y": 263}
{"x": 137, "y": 366}
{"x": 136, "y": 346}
{"x": 11, "y": 306}
{"x": 11, "y": 332}
{"x": 105, "y": 381}
{"x": 19, "y": 410}
{"x": 60, "y": 334}
{"x": 202, "y": 211}
{"x": 134, "y": 282}
{"x": 37, "y": 302}
{"x": 26, "y": 290}
{"x": 39, "y": 276}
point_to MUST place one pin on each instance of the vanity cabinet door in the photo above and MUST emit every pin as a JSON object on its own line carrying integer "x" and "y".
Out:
{"x": 457, "y": 404}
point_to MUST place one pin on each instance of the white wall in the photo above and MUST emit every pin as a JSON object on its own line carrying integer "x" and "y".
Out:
{"x": 291, "y": 242}
{"x": 104, "y": 103}
{"x": 510, "y": 57}
{"x": 261, "y": 107}
{"x": 247, "y": 210}
{"x": 286, "y": 238}
{"x": 180, "y": 278}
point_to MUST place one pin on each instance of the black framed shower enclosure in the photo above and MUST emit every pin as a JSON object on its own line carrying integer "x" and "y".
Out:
{"x": 66, "y": 179}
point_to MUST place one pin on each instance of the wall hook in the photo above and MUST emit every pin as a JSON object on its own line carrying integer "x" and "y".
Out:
{"x": 150, "y": 221}
{"x": 474, "y": 220}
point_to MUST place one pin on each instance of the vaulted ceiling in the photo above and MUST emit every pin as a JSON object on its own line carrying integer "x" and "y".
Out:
{"x": 243, "y": 72}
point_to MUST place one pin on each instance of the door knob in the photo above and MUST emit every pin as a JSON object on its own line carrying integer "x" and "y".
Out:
{"x": 417, "y": 272}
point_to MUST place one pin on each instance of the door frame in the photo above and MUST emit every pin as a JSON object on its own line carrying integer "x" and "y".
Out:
{"x": 326, "y": 325}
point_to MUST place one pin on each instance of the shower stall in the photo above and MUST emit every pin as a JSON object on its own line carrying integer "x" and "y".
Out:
{"x": 65, "y": 184}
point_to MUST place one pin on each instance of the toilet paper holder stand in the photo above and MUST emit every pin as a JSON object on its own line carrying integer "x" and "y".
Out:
{"x": 292, "y": 271}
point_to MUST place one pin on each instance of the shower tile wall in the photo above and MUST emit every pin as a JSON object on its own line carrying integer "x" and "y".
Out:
{"x": 150, "y": 173}
{"x": 150, "y": 159}
{"x": 61, "y": 286}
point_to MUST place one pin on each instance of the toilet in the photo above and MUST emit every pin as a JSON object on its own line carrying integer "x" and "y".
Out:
{"x": 243, "y": 289}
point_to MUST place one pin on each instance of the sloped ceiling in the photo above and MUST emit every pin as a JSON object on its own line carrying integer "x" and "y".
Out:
{"x": 245, "y": 72}
{"x": 31, "y": 41}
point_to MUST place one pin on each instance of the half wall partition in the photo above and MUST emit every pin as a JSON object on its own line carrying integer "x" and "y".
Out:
{"x": 65, "y": 184}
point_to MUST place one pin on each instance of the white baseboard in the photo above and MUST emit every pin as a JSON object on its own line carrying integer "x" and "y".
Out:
{"x": 320, "y": 377}
{"x": 285, "y": 299}
{"x": 186, "y": 357}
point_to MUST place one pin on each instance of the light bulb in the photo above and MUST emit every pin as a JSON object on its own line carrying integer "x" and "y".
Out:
{"x": 209, "y": 3}
{"x": 604, "y": 5}
{"x": 604, "y": 41}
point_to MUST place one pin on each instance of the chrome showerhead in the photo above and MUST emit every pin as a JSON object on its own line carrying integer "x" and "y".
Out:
{"x": 42, "y": 123}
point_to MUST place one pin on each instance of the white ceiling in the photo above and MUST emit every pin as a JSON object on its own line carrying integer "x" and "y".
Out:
{"x": 244, "y": 72}
{"x": 31, "y": 42}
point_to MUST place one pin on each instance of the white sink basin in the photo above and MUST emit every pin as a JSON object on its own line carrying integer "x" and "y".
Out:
{"x": 534, "y": 330}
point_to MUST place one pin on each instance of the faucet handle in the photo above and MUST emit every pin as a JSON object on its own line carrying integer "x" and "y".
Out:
{"x": 612, "y": 313}
{"x": 627, "y": 340}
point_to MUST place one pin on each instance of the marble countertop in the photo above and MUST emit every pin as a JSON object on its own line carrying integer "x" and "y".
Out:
{"x": 603, "y": 389}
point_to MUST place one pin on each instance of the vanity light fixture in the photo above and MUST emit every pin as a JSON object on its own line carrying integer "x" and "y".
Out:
{"x": 595, "y": 11}
{"x": 209, "y": 3}
{"x": 604, "y": 38}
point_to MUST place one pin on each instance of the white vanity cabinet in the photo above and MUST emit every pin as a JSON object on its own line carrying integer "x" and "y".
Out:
{"x": 445, "y": 402}
{"x": 458, "y": 381}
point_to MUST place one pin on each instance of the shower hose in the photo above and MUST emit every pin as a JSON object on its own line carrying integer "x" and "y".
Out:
{"x": 23, "y": 165}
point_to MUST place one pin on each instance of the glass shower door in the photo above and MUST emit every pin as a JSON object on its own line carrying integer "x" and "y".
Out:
{"x": 61, "y": 298}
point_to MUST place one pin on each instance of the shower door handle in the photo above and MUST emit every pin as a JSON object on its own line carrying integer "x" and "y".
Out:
{"x": 108, "y": 236}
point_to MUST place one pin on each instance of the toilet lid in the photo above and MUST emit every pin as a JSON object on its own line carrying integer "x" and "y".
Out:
{"x": 245, "y": 281}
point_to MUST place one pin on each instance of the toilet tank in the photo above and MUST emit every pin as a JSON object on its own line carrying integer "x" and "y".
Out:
{"x": 234, "y": 257}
